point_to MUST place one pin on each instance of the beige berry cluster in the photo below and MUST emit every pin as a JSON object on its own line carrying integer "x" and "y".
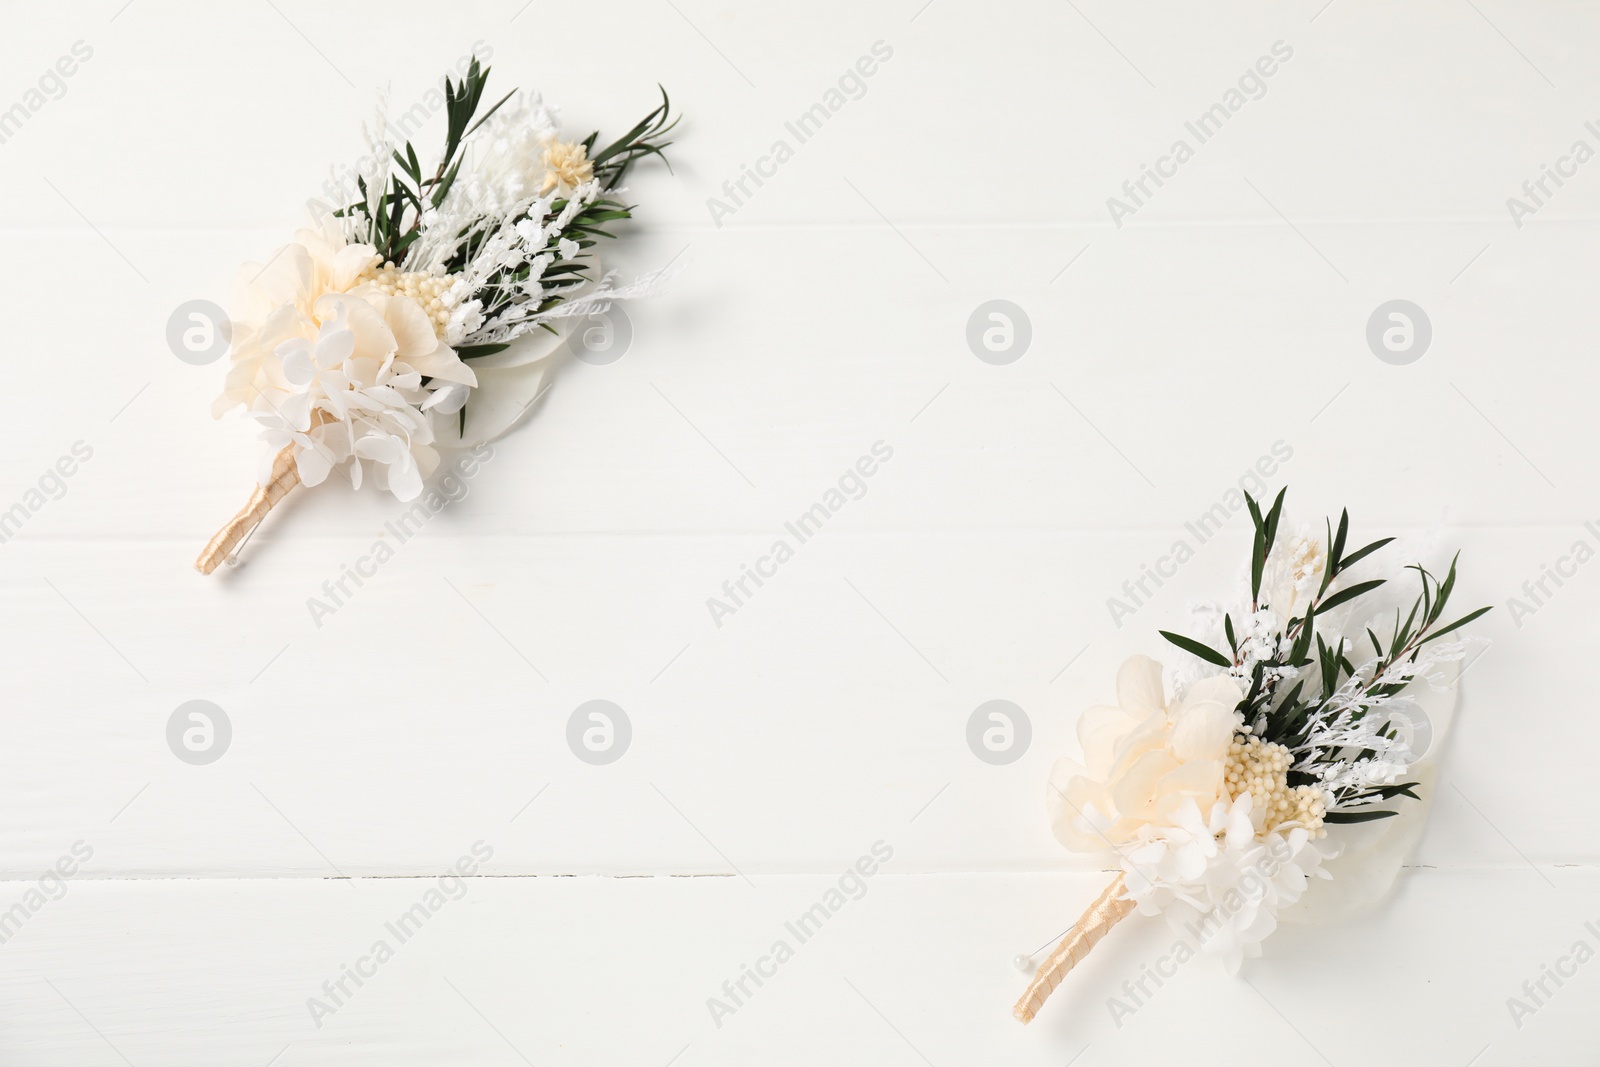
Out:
{"x": 424, "y": 288}
{"x": 1261, "y": 768}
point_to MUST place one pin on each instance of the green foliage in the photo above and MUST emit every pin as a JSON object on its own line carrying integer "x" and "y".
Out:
{"x": 1321, "y": 670}
{"x": 393, "y": 222}
{"x": 612, "y": 161}
{"x": 1210, "y": 655}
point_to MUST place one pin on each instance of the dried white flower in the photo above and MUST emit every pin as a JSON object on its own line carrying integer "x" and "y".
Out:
{"x": 1218, "y": 878}
{"x": 329, "y": 356}
{"x": 1144, "y": 759}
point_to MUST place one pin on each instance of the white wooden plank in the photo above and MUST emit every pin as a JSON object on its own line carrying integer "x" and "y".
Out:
{"x": 590, "y": 970}
{"x": 827, "y": 313}
{"x": 1120, "y": 414}
{"x": 805, "y": 714}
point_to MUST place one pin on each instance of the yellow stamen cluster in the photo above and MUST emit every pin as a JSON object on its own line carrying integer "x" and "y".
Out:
{"x": 424, "y": 288}
{"x": 1261, "y": 768}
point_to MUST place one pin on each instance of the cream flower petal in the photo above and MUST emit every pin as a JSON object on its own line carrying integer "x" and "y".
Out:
{"x": 443, "y": 364}
{"x": 1239, "y": 890}
{"x": 294, "y": 362}
{"x": 313, "y": 340}
{"x": 349, "y": 262}
{"x": 336, "y": 403}
{"x": 1189, "y": 863}
{"x": 372, "y": 335}
{"x": 312, "y": 465}
{"x": 284, "y": 323}
{"x": 1219, "y": 688}
{"x": 362, "y": 372}
{"x": 285, "y": 278}
{"x": 420, "y": 347}
{"x": 1149, "y": 854}
{"x": 1139, "y": 686}
{"x": 413, "y": 332}
{"x": 295, "y": 410}
{"x": 1136, "y": 791}
{"x": 1080, "y": 813}
{"x": 334, "y": 347}
{"x": 1259, "y": 926}
{"x": 393, "y": 404}
{"x": 236, "y": 388}
{"x": 446, "y": 398}
{"x": 1187, "y": 818}
{"x": 383, "y": 448}
{"x": 1241, "y": 830}
{"x": 1099, "y": 730}
{"x": 1149, "y": 735}
{"x": 404, "y": 481}
{"x": 1204, "y": 723}
{"x": 1195, "y": 781}
{"x": 1203, "y": 731}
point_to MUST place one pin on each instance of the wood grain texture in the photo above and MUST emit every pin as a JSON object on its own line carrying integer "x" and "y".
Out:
{"x": 771, "y": 748}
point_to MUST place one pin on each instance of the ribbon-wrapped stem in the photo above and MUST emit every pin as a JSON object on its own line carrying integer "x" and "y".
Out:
{"x": 1108, "y": 909}
{"x": 283, "y": 477}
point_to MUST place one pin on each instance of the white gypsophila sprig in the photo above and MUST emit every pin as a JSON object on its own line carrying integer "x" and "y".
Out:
{"x": 371, "y": 172}
{"x": 511, "y": 233}
{"x": 492, "y": 248}
{"x": 593, "y": 302}
{"x": 1345, "y": 738}
{"x": 506, "y": 158}
{"x": 494, "y": 243}
{"x": 1265, "y": 626}
{"x": 501, "y": 182}
{"x": 1262, "y": 640}
{"x": 500, "y": 291}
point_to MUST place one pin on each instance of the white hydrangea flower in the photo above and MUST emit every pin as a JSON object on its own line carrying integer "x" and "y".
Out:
{"x": 1143, "y": 759}
{"x": 334, "y": 365}
{"x": 344, "y": 386}
{"x": 1218, "y": 879}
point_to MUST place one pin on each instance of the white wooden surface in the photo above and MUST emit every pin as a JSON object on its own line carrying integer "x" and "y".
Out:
{"x": 829, "y": 313}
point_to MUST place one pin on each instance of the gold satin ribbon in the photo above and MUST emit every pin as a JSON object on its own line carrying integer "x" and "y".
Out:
{"x": 1108, "y": 909}
{"x": 283, "y": 477}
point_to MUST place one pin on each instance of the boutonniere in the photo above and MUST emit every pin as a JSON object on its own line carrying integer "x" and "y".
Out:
{"x": 416, "y": 313}
{"x": 1292, "y": 746}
